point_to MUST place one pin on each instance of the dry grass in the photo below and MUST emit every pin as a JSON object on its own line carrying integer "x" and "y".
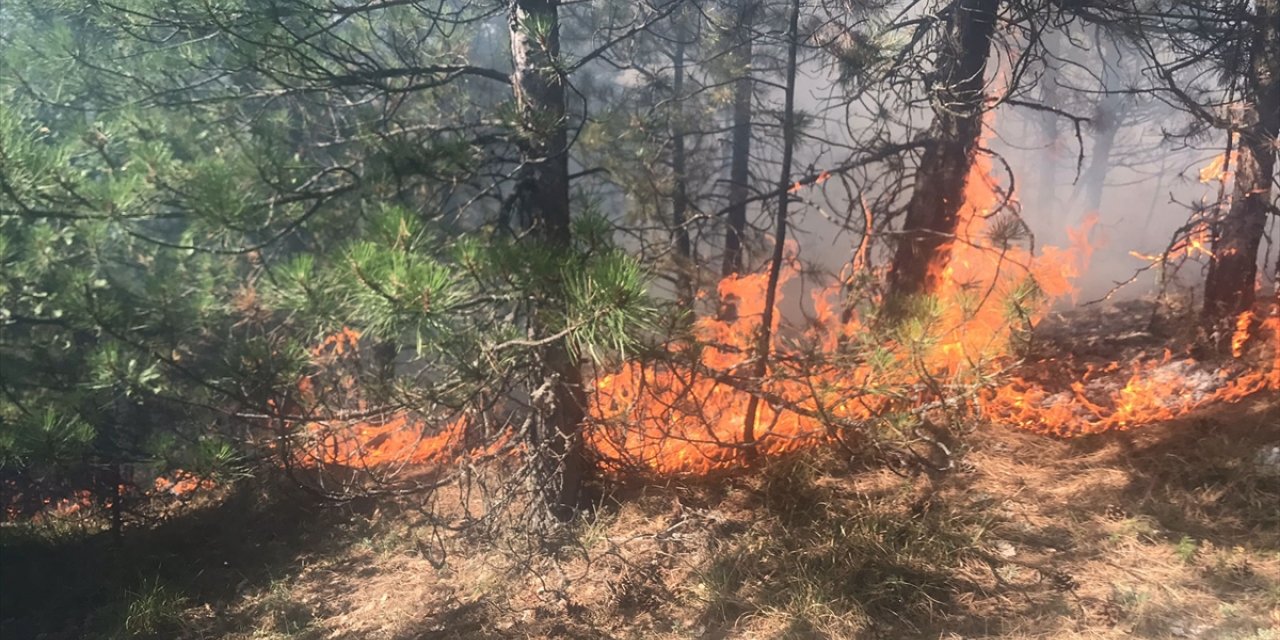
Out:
{"x": 1168, "y": 532}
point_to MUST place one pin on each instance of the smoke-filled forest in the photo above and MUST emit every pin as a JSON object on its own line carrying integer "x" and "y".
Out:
{"x": 410, "y": 319}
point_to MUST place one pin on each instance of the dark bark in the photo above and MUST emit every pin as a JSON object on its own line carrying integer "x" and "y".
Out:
{"x": 1233, "y": 270}
{"x": 680, "y": 173}
{"x": 555, "y": 438}
{"x": 932, "y": 214}
{"x": 765, "y": 334}
{"x": 740, "y": 159}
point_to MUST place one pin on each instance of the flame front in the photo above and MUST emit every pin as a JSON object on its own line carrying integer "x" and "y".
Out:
{"x": 689, "y": 418}
{"x": 682, "y": 418}
{"x": 685, "y": 414}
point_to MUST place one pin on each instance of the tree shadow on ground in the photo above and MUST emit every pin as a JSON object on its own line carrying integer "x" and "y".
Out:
{"x": 81, "y": 587}
{"x": 1149, "y": 532}
{"x": 1041, "y": 537}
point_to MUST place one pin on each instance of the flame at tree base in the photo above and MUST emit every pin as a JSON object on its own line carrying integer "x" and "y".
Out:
{"x": 677, "y": 418}
{"x": 686, "y": 414}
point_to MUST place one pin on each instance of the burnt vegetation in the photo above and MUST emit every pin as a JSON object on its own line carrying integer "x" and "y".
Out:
{"x": 672, "y": 318}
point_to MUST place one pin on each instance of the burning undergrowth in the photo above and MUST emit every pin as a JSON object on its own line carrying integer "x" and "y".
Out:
{"x": 973, "y": 348}
{"x": 970, "y": 348}
{"x": 852, "y": 368}
{"x": 1078, "y": 394}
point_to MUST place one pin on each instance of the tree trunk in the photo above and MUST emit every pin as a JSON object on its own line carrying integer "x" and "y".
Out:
{"x": 740, "y": 161}
{"x": 1233, "y": 270}
{"x": 765, "y": 336}
{"x": 1047, "y": 181}
{"x": 1106, "y": 124}
{"x": 932, "y": 213}
{"x": 1108, "y": 116}
{"x": 680, "y": 173}
{"x": 555, "y": 437}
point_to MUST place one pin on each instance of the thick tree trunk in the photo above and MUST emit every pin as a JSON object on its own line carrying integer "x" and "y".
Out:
{"x": 740, "y": 160}
{"x": 680, "y": 173}
{"x": 555, "y": 439}
{"x": 932, "y": 214}
{"x": 1233, "y": 270}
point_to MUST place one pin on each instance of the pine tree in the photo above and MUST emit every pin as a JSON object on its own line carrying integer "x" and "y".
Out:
{"x": 195, "y": 195}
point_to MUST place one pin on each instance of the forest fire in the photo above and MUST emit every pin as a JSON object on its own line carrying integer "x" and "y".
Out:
{"x": 1104, "y": 400}
{"x": 686, "y": 415}
{"x": 739, "y": 318}
{"x": 399, "y": 439}
{"x": 681, "y": 420}
{"x": 180, "y": 483}
{"x": 677, "y": 420}
{"x": 1195, "y": 243}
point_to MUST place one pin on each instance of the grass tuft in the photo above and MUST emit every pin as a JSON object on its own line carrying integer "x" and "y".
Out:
{"x": 1187, "y": 549}
{"x": 154, "y": 610}
{"x": 829, "y": 565}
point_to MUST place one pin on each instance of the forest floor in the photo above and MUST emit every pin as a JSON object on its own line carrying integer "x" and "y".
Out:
{"x": 1166, "y": 531}
{"x": 1170, "y": 531}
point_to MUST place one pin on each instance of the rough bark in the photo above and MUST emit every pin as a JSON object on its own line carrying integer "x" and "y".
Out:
{"x": 1233, "y": 270}
{"x": 933, "y": 212}
{"x": 740, "y": 159}
{"x": 764, "y": 339}
{"x": 555, "y": 437}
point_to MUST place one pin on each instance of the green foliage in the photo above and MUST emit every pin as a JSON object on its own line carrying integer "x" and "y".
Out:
{"x": 916, "y": 320}
{"x": 122, "y": 324}
{"x": 1006, "y": 231}
{"x": 153, "y": 610}
{"x": 607, "y": 307}
{"x": 1021, "y": 304}
{"x": 394, "y": 285}
{"x": 196, "y": 196}
{"x": 866, "y": 53}
{"x": 45, "y": 437}
{"x": 218, "y": 459}
{"x": 1187, "y": 549}
{"x": 111, "y": 368}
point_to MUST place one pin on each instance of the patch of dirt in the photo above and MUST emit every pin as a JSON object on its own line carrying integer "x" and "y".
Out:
{"x": 1171, "y": 531}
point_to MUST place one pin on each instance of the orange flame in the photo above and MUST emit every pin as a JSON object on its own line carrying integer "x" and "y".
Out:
{"x": 822, "y": 177}
{"x": 686, "y": 415}
{"x": 1156, "y": 390}
{"x": 1218, "y": 169}
{"x": 1197, "y": 242}
{"x": 1241, "y": 335}
{"x": 398, "y": 439}
{"x": 180, "y": 483}
{"x": 682, "y": 418}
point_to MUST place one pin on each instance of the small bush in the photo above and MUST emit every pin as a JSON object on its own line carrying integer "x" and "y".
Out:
{"x": 1187, "y": 548}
